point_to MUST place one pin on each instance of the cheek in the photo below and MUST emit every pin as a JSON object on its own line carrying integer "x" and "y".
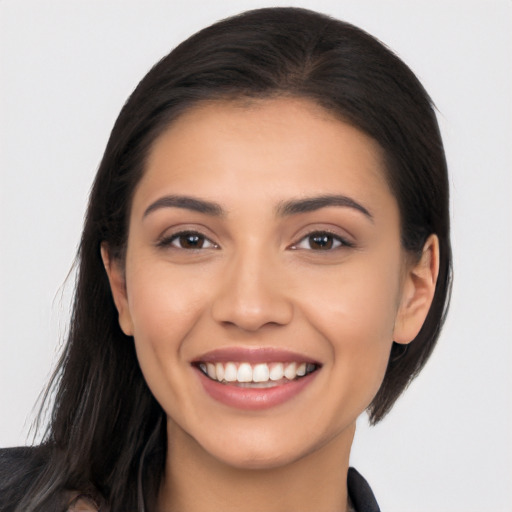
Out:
{"x": 354, "y": 310}
{"x": 164, "y": 308}
{"x": 361, "y": 298}
{"x": 163, "y": 302}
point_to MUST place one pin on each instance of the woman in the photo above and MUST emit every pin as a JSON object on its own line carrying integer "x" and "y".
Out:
{"x": 265, "y": 256}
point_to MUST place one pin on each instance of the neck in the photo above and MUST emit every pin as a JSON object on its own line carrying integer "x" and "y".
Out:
{"x": 195, "y": 481}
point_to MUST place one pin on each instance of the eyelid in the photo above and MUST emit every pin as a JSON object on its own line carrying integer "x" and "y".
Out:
{"x": 343, "y": 241}
{"x": 167, "y": 240}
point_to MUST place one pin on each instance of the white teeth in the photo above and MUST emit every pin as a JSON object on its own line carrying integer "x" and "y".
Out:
{"x": 290, "y": 371}
{"x": 244, "y": 373}
{"x": 260, "y": 373}
{"x": 219, "y": 368}
{"x": 210, "y": 368}
{"x": 230, "y": 372}
{"x": 277, "y": 372}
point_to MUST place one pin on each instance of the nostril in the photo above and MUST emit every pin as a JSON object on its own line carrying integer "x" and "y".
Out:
{"x": 252, "y": 293}
{"x": 251, "y": 314}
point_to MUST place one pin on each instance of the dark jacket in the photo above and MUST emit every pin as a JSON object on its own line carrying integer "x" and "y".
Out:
{"x": 19, "y": 467}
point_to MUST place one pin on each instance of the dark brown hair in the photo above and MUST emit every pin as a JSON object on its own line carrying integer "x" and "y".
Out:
{"x": 105, "y": 420}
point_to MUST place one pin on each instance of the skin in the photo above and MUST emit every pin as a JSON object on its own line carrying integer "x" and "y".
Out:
{"x": 258, "y": 281}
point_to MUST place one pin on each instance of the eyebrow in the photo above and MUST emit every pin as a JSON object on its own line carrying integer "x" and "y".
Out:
{"x": 284, "y": 209}
{"x": 187, "y": 203}
{"x": 310, "y": 204}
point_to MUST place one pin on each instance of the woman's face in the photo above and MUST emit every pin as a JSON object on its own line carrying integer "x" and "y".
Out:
{"x": 263, "y": 249}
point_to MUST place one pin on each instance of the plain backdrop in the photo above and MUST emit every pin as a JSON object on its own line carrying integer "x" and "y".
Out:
{"x": 66, "y": 67}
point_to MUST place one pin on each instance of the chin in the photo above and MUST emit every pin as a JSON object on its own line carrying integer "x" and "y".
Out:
{"x": 270, "y": 451}
{"x": 258, "y": 459}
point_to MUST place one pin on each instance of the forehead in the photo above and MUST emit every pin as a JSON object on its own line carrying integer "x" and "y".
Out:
{"x": 263, "y": 148}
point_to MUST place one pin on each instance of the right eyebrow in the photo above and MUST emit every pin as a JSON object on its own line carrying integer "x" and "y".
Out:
{"x": 310, "y": 204}
{"x": 187, "y": 203}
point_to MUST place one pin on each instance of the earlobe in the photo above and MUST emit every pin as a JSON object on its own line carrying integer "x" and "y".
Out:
{"x": 417, "y": 293}
{"x": 118, "y": 287}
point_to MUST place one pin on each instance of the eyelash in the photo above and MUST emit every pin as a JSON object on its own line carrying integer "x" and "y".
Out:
{"x": 169, "y": 241}
{"x": 334, "y": 240}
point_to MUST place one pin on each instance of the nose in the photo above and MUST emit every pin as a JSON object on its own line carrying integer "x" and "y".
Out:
{"x": 252, "y": 294}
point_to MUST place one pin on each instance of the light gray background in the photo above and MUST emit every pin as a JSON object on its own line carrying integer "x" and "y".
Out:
{"x": 66, "y": 68}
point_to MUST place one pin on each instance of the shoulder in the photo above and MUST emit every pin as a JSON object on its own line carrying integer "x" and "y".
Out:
{"x": 361, "y": 493}
{"x": 19, "y": 467}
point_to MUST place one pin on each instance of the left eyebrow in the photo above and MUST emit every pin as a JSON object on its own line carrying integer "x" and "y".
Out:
{"x": 310, "y": 204}
{"x": 186, "y": 203}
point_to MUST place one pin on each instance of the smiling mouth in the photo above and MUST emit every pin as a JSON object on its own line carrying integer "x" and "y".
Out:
{"x": 260, "y": 375}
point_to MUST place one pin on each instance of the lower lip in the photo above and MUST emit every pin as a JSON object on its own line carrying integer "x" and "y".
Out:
{"x": 254, "y": 399}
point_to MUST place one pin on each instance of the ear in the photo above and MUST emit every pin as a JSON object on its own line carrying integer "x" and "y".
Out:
{"x": 417, "y": 293}
{"x": 118, "y": 287}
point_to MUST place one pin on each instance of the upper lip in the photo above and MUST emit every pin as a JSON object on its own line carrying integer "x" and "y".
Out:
{"x": 253, "y": 355}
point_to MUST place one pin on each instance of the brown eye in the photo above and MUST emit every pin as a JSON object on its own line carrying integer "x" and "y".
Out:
{"x": 188, "y": 240}
{"x": 321, "y": 241}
